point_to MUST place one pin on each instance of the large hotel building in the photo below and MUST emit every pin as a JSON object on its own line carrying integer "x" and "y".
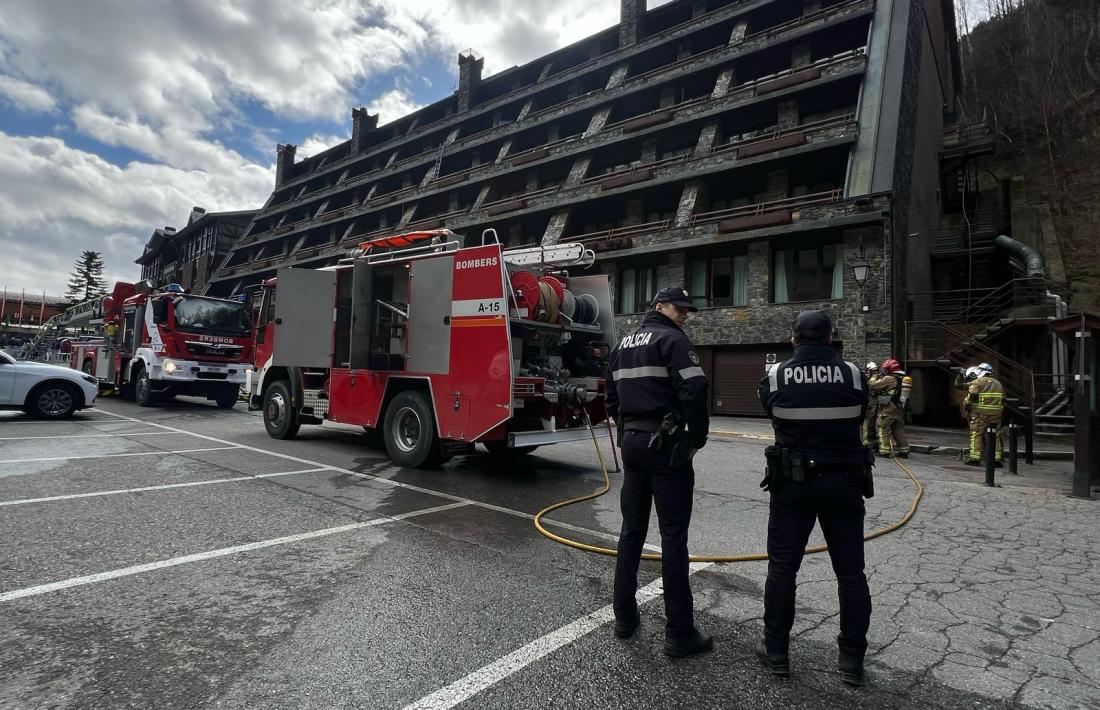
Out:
{"x": 768, "y": 155}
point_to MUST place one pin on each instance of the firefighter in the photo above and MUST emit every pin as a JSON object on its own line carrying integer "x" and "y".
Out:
{"x": 657, "y": 395}
{"x": 985, "y": 401}
{"x": 818, "y": 470}
{"x": 891, "y": 391}
{"x": 870, "y": 433}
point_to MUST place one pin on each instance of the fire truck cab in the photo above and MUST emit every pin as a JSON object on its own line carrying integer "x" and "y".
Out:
{"x": 436, "y": 346}
{"x": 153, "y": 344}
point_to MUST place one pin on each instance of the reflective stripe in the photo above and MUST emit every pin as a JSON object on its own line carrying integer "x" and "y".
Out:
{"x": 689, "y": 372}
{"x": 816, "y": 412}
{"x": 647, "y": 371}
{"x": 856, "y": 381}
{"x": 773, "y": 377}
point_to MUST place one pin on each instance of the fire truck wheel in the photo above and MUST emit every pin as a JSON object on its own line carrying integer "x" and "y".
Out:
{"x": 280, "y": 419}
{"x": 409, "y": 431}
{"x": 143, "y": 390}
{"x": 500, "y": 448}
{"x": 226, "y": 397}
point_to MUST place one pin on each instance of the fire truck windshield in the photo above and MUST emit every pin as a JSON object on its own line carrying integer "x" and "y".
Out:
{"x": 210, "y": 315}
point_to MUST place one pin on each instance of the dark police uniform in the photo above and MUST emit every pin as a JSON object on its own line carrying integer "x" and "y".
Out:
{"x": 816, "y": 402}
{"x": 652, "y": 372}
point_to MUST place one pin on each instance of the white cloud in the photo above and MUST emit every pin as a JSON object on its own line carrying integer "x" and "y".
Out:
{"x": 318, "y": 143}
{"x": 183, "y": 61}
{"x": 392, "y": 105}
{"x": 57, "y": 200}
{"x": 25, "y": 95}
{"x": 171, "y": 81}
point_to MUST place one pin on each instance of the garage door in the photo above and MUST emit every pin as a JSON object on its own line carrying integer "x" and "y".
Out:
{"x": 736, "y": 375}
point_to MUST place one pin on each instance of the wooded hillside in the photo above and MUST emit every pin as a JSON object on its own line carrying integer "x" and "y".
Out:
{"x": 1034, "y": 67}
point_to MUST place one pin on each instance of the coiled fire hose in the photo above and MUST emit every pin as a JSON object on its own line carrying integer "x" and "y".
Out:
{"x": 747, "y": 557}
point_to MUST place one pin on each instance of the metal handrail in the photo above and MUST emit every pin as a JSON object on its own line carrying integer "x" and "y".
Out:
{"x": 772, "y": 132}
{"x": 756, "y": 208}
{"x": 635, "y": 168}
{"x": 670, "y": 107}
{"x": 616, "y": 232}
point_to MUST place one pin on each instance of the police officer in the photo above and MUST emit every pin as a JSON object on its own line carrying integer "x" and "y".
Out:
{"x": 985, "y": 401}
{"x": 657, "y": 394}
{"x": 818, "y": 470}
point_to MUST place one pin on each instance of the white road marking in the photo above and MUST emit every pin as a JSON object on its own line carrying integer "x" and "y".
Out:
{"x": 211, "y": 554}
{"x": 96, "y": 494}
{"x": 84, "y": 436}
{"x": 46, "y": 422}
{"x": 110, "y": 456}
{"x": 487, "y": 676}
{"x": 380, "y": 479}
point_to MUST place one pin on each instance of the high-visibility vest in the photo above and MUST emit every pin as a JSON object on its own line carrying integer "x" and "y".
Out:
{"x": 987, "y": 395}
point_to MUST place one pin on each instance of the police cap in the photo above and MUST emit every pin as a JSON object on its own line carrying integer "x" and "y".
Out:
{"x": 812, "y": 326}
{"x": 676, "y": 296}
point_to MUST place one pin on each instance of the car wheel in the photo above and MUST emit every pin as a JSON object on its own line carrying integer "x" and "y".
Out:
{"x": 143, "y": 390}
{"x": 280, "y": 417}
{"x": 54, "y": 400}
{"x": 409, "y": 432}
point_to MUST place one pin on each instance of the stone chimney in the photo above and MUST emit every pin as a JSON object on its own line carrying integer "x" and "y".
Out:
{"x": 284, "y": 161}
{"x": 362, "y": 125}
{"x": 470, "y": 64}
{"x": 630, "y": 21}
{"x": 197, "y": 213}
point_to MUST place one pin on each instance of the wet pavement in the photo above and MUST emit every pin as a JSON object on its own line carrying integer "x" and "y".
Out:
{"x": 179, "y": 557}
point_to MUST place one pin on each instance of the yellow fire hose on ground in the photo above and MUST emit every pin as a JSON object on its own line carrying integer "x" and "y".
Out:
{"x": 749, "y": 557}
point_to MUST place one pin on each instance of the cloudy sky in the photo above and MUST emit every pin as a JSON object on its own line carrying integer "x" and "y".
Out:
{"x": 116, "y": 116}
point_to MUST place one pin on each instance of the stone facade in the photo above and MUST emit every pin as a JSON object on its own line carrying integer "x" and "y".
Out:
{"x": 765, "y": 322}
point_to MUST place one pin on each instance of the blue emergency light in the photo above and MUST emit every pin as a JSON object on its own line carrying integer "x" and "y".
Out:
{"x": 174, "y": 288}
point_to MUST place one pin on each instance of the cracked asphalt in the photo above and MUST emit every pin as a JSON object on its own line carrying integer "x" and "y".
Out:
{"x": 207, "y": 565}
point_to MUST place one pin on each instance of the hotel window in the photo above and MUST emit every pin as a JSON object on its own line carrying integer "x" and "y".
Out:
{"x": 637, "y": 286}
{"x": 719, "y": 281}
{"x": 814, "y": 273}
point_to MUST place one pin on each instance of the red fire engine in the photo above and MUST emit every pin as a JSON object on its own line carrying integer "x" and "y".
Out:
{"x": 152, "y": 344}
{"x": 436, "y": 346}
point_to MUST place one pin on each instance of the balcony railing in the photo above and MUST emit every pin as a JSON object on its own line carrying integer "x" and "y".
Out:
{"x": 758, "y": 208}
{"x": 621, "y": 232}
{"x": 773, "y": 132}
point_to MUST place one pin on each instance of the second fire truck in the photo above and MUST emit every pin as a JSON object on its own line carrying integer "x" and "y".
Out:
{"x": 435, "y": 345}
{"x": 152, "y": 344}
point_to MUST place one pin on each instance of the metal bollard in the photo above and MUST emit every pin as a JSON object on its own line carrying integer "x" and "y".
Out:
{"x": 1013, "y": 436}
{"x": 1029, "y": 446}
{"x": 989, "y": 451}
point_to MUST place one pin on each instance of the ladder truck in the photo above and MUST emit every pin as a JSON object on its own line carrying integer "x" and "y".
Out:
{"x": 436, "y": 346}
{"x": 151, "y": 344}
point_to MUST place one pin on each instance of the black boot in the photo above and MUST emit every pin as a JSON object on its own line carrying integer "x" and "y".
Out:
{"x": 973, "y": 462}
{"x": 626, "y": 629}
{"x": 698, "y": 642}
{"x": 779, "y": 665}
{"x": 851, "y": 669}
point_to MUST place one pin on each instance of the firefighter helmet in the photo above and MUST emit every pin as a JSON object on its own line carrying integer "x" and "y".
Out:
{"x": 871, "y": 367}
{"x": 891, "y": 365}
{"x": 984, "y": 369}
{"x": 971, "y": 373}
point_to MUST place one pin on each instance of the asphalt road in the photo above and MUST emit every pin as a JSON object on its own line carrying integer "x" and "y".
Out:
{"x": 178, "y": 557}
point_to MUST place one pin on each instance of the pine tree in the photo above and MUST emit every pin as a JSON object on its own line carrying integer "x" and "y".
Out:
{"x": 86, "y": 280}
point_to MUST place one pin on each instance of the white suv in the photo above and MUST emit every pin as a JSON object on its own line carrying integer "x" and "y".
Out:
{"x": 47, "y": 391}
